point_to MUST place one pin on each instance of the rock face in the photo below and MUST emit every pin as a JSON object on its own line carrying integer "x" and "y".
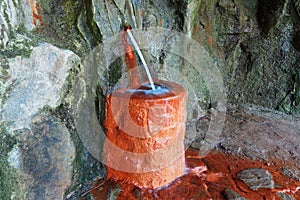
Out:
{"x": 257, "y": 42}
{"x": 35, "y": 82}
{"x": 46, "y": 154}
{"x": 41, "y": 156}
{"x": 48, "y": 92}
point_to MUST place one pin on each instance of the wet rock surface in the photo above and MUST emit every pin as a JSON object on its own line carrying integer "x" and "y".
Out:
{"x": 256, "y": 178}
{"x": 245, "y": 37}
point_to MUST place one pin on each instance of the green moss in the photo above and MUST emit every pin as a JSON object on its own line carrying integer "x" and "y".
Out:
{"x": 78, "y": 163}
{"x": 9, "y": 179}
{"x": 18, "y": 48}
{"x": 17, "y": 45}
{"x": 194, "y": 12}
{"x": 247, "y": 7}
{"x": 87, "y": 26}
{"x": 11, "y": 33}
{"x": 67, "y": 93}
{"x": 60, "y": 19}
{"x": 115, "y": 72}
{"x": 16, "y": 3}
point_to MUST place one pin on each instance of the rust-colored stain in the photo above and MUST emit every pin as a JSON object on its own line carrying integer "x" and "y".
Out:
{"x": 208, "y": 31}
{"x": 203, "y": 34}
{"x": 36, "y": 13}
{"x": 130, "y": 61}
{"x": 161, "y": 22}
{"x": 199, "y": 33}
{"x": 142, "y": 122}
{"x": 206, "y": 178}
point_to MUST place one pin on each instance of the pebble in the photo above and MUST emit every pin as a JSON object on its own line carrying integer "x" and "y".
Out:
{"x": 291, "y": 172}
{"x": 256, "y": 178}
{"x": 232, "y": 195}
{"x": 284, "y": 196}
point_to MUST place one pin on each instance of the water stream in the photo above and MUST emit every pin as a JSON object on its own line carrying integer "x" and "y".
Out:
{"x": 142, "y": 59}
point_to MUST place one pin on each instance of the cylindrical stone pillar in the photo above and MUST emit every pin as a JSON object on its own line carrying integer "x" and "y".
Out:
{"x": 145, "y": 130}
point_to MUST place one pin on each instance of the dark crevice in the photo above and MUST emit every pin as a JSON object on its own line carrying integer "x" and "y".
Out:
{"x": 296, "y": 22}
{"x": 180, "y": 7}
{"x": 267, "y": 14}
{"x": 91, "y": 24}
{"x": 100, "y": 104}
{"x": 296, "y": 40}
{"x": 248, "y": 57}
{"x": 237, "y": 24}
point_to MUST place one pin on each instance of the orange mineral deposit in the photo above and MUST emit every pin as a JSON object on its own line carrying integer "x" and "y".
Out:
{"x": 145, "y": 131}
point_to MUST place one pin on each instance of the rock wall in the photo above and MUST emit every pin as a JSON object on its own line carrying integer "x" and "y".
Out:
{"x": 41, "y": 154}
{"x": 257, "y": 42}
{"x": 47, "y": 93}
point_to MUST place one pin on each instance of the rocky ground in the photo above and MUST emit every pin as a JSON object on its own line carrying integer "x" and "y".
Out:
{"x": 260, "y": 133}
{"x": 257, "y": 158}
{"x": 218, "y": 176}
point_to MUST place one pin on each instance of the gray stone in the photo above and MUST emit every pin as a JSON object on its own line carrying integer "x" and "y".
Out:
{"x": 261, "y": 133}
{"x": 46, "y": 156}
{"x": 36, "y": 82}
{"x": 13, "y": 14}
{"x": 291, "y": 172}
{"x": 252, "y": 37}
{"x": 40, "y": 161}
{"x": 37, "y": 162}
{"x": 8, "y": 20}
{"x": 256, "y": 178}
{"x": 41, "y": 158}
{"x": 232, "y": 195}
{"x": 284, "y": 196}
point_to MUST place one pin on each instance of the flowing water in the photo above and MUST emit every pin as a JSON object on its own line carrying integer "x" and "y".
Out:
{"x": 142, "y": 59}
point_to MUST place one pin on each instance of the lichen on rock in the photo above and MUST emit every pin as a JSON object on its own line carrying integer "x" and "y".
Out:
{"x": 11, "y": 185}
